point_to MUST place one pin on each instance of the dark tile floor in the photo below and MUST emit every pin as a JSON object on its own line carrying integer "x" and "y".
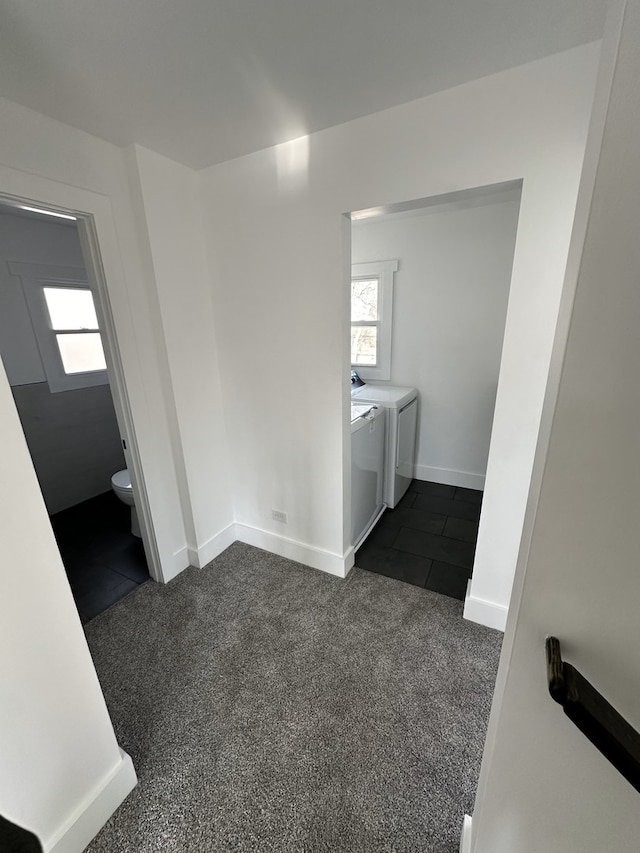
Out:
{"x": 104, "y": 561}
{"x": 428, "y": 540}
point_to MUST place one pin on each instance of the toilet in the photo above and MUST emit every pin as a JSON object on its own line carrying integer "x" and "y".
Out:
{"x": 121, "y": 485}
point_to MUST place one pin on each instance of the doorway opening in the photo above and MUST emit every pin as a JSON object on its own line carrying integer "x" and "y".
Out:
{"x": 433, "y": 330}
{"x": 59, "y": 350}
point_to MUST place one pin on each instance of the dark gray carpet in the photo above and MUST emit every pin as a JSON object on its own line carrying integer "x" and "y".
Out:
{"x": 270, "y": 707}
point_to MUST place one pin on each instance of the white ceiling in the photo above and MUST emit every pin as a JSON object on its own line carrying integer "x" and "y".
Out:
{"x": 203, "y": 81}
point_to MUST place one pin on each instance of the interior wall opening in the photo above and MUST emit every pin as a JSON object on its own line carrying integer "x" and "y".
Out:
{"x": 430, "y": 282}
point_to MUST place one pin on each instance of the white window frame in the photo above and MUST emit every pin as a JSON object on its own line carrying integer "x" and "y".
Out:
{"x": 34, "y": 278}
{"x": 384, "y": 272}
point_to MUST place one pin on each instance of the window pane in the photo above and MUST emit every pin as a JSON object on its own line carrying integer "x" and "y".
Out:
{"x": 364, "y": 299}
{"x": 70, "y": 308}
{"x": 81, "y": 353}
{"x": 364, "y": 340}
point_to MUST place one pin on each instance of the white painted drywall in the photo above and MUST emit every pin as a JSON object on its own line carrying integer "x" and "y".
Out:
{"x": 56, "y": 740}
{"x": 449, "y": 309}
{"x": 274, "y": 228}
{"x": 52, "y": 163}
{"x": 169, "y": 196}
{"x": 543, "y": 785}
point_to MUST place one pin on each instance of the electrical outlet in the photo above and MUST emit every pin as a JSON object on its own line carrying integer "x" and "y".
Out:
{"x": 277, "y": 515}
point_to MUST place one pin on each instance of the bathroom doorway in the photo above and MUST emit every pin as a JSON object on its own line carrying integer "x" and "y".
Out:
{"x": 59, "y": 352}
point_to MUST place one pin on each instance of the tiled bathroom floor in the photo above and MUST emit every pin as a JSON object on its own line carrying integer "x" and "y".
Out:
{"x": 104, "y": 561}
{"x": 428, "y": 540}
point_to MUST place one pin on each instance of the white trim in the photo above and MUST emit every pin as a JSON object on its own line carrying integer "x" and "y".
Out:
{"x": 465, "y": 838}
{"x": 384, "y": 271}
{"x": 89, "y": 242}
{"x": 180, "y": 560}
{"x": 349, "y": 559}
{"x": 484, "y": 612}
{"x": 308, "y": 555}
{"x": 317, "y": 558}
{"x": 449, "y": 477}
{"x": 212, "y": 548}
{"x": 92, "y": 814}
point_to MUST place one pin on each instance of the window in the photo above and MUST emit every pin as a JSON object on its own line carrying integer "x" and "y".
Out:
{"x": 371, "y": 315}
{"x": 72, "y": 316}
{"x": 365, "y": 320}
{"x": 65, "y": 323}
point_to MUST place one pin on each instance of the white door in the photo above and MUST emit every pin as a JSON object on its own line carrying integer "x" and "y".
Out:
{"x": 544, "y": 787}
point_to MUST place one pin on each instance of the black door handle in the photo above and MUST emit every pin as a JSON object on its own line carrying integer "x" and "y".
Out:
{"x": 593, "y": 715}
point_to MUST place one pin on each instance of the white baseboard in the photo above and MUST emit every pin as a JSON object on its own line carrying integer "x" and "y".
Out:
{"x": 465, "y": 839}
{"x": 349, "y": 560}
{"x": 189, "y": 555}
{"x": 317, "y": 558}
{"x": 95, "y": 810}
{"x": 326, "y": 561}
{"x": 485, "y": 612}
{"x": 199, "y": 557}
{"x": 176, "y": 564}
{"x": 450, "y": 478}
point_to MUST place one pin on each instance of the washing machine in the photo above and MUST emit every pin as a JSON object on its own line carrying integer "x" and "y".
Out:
{"x": 401, "y": 405}
{"x": 367, "y": 469}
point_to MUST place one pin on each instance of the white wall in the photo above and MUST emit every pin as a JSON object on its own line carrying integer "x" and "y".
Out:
{"x": 170, "y": 202}
{"x": 56, "y": 740}
{"x": 275, "y": 232}
{"x": 449, "y": 310}
{"x": 543, "y": 786}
